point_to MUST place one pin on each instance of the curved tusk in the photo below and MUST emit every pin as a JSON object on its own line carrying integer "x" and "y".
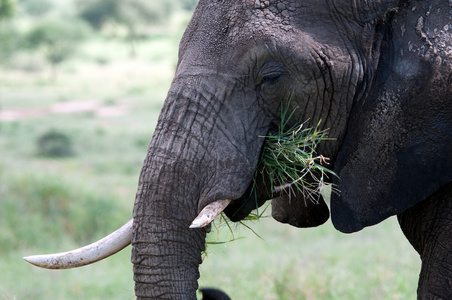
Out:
{"x": 99, "y": 250}
{"x": 209, "y": 213}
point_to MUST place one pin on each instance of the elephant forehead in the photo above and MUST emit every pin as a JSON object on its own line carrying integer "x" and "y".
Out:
{"x": 279, "y": 21}
{"x": 269, "y": 18}
{"x": 217, "y": 29}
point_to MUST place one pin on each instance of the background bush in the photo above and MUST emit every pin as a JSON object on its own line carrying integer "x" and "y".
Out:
{"x": 55, "y": 144}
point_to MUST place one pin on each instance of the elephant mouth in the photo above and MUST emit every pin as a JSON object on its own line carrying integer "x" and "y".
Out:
{"x": 289, "y": 205}
{"x": 236, "y": 210}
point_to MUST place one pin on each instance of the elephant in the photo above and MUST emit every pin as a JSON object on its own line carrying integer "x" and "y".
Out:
{"x": 376, "y": 73}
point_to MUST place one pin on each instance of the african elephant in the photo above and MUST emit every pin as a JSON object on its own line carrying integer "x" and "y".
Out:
{"x": 378, "y": 73}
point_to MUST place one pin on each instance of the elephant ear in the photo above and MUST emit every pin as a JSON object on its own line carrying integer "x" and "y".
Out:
{"x": 398, "y": 145}
{"x": 296, "y": 210}
{"x": 391, "y": 160}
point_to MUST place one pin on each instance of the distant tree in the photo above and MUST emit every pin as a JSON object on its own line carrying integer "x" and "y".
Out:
{"x": 189, "y": 4}
{"x": 36, "y": 7}
{"x": 57, "y": 39}
{"x": 135, "y": 13}
{"x": 98, "y": 12}
{"x": 6, "y": 9}
{"x": 10, "y": 41}
{"x": 8, "y": 34}
{"x": 131, "y": 14}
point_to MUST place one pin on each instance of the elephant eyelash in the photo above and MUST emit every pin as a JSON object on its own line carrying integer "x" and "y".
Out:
{"x": 270, "y": 73}
{"x": 271, "y": 78}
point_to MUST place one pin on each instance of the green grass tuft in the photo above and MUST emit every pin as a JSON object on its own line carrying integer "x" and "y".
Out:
{"x": 289, "y": 159}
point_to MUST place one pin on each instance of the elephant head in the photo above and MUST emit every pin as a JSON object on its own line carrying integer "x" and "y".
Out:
{"x": 333, "y": 61}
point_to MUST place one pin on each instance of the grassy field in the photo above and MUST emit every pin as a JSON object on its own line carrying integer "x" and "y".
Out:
{"x": 108, "y": 104}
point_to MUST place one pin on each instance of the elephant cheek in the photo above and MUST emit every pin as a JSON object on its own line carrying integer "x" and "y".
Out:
{"x": 296, "y": 210}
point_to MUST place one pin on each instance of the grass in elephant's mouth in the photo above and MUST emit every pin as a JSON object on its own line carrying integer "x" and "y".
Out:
{"x": 289, "y": 159}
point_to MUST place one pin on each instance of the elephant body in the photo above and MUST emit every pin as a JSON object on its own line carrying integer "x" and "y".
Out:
{"x": 379, "y": 76}
{"x": 376, "y": 73}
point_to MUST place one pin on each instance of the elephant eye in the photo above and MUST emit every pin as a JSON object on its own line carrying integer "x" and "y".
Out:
{"x": 270, "y": 73}
{"x": 271, "y": 78}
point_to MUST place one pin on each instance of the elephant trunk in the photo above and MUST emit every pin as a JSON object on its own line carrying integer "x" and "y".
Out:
{"x": 192, "y": 161}
{"x": 166, "y": 253}
{"x": 166, "y": 259}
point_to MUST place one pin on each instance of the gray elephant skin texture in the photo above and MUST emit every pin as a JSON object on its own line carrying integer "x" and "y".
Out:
{"x": 378, "y": 74}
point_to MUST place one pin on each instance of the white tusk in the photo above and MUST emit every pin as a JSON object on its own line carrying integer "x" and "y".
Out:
{"x": 209, "y": 213}
{"x": 99, "y": 250}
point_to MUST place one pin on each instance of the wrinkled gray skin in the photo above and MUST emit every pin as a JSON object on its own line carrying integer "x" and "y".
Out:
{"x": 378, "y": 75}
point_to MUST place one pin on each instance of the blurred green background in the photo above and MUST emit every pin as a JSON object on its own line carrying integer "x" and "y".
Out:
{"x": 81, "y": 86}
